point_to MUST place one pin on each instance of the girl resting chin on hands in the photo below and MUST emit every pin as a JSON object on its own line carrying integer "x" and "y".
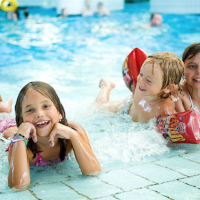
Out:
{"x": 45, "y": 136}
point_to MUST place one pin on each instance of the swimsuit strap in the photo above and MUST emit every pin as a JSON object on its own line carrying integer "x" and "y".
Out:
{"x": 192, "y": 105}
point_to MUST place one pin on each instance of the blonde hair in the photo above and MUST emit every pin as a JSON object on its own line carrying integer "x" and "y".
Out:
{"x": 172, "y": 68}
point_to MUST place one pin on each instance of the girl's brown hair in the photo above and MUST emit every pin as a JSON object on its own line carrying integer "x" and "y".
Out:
{"x": 49, "y": 92}
{"x": 191, "y": 51}
{"x": 171, "y": 66}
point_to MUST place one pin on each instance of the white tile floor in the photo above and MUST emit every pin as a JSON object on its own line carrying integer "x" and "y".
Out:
{"x": 176, "y": 177}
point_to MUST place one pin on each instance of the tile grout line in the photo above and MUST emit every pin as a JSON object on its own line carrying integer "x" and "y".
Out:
{"x": 32, "y": 193}
{"x": 188, "y": 183}
{"x": 75, "y": 190}
{"x": 170, "y": 169}
{"x": 160, "y": 193}
{"x": 190, "y": 160}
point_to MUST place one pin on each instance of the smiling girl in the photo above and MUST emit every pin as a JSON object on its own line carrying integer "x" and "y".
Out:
{"x": 158, "y": 76}
{"x": 190, "y": 96}
{"x": 45, "y": 136}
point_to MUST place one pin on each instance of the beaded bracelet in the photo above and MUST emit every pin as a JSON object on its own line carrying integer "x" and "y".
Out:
{"x": 19, "y": 136}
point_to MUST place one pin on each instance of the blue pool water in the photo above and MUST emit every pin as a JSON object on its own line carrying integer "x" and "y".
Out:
{"x": 72, "y": 55}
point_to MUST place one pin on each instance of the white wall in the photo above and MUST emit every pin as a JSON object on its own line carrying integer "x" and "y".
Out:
{"x": 74, "y": 7}
{"x": 175, "y": 6}
{"x": 44, "y": 3}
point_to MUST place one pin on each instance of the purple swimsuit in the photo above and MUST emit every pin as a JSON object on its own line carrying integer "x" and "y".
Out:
{"x": 41, "y": 162}
{"x": 6, "y": 121}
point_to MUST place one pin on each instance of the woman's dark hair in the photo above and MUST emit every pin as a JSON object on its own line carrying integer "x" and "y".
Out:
{"x": 49, "y": 92}
{"x": 191, "y": 51}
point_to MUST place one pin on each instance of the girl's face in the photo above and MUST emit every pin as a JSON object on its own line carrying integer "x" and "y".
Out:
{"x": 150, "y": 84}
{"x": 40, "y": 111}
{"x": 192, "y": 71}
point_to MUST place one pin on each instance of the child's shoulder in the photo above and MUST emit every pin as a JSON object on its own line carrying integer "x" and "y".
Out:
{"x": 165, "y": 106}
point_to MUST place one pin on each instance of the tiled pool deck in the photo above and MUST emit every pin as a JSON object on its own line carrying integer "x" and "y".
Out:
{"x": 175, "y": 175}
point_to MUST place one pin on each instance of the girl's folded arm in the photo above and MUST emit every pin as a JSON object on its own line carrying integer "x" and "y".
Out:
{"x": 19, "y": 170}
{"x": 86, "y": 159}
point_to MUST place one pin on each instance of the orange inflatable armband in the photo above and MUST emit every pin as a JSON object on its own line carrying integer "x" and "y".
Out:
{"x": 181, "y": 127}
{"x": 131, "y": 67}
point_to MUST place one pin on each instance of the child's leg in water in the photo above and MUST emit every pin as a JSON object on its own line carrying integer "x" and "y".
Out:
{"x": 6, "y": 106}
{"x": 106, "y": 86}
{"x": 102, "y": 100}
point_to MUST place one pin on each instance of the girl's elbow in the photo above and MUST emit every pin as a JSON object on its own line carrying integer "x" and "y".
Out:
{"x": 18, "y": 184}
{"x": 19, "y": 187}
{"x": 95, "y": 171}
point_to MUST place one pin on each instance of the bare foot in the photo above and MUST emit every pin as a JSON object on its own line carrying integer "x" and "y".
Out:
{"x": 106, "y": 83}
{"x": 6, "y": 106}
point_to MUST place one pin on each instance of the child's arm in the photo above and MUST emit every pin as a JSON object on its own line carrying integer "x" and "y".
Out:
{"x": 86, "y": 159}
{"x": 177, "y": 98}
{"x": 80, "y": 130}
{"x": 19, "y": 170}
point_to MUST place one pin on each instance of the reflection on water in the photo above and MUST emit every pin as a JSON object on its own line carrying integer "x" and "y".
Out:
{"x": 72, "y": 55}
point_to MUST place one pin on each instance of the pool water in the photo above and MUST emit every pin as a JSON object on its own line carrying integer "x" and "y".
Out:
{"x": 72, "y": 55}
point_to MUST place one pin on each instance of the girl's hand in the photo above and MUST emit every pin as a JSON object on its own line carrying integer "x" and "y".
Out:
{"x": 28, "y": 130}
{"x": 60, "y": 131}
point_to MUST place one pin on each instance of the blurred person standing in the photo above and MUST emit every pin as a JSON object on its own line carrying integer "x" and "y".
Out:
{"x": 87, "y": 11}
{"x": 101, "y": 10}
{"x": 26, "y": 14}
{"x": 64, "y": 13}
{"x": 13, "y": 15}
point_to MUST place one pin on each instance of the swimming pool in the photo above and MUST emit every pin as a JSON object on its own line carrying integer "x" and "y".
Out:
{"x": 72, "y": 55}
